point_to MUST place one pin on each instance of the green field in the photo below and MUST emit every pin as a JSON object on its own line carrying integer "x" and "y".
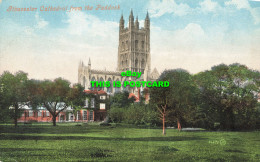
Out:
{"x": 91, "y": 142}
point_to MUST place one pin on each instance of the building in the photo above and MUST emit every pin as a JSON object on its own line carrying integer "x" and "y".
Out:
{"x": 95, "y": 109}
{"x": 133, "y": 54}
{"x": 40, "y": 115}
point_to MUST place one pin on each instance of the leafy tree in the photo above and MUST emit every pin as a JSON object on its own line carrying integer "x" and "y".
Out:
{"x": 229, "y": 96}
{"x": 13, "y": 94}
{"x": 116, "y": 114}
{"x": 57, "y": 95}
{"x": 178, "y": 101}
{"x": 77, "y": 98}
{"x": 121, "y": 99}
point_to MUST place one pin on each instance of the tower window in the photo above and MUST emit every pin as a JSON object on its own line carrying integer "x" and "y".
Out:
{"x": 136, "y": 44}
{"x": 142, "y": 44}
{"x": 142, "y": 64}
{"x": 123, "y": 46}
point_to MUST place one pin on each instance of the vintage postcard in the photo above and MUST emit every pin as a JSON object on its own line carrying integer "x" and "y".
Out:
{"x": 129, "y": 80}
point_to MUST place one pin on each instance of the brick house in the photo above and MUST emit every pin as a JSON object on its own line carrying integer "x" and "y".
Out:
{"x": 40, "y": 115}
{"x": 95, "y": 109}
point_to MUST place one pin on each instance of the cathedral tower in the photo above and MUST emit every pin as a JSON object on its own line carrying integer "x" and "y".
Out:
{"x": 134, "y": 45}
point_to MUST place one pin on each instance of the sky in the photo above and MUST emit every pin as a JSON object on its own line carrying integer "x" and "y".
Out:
{"x": 187, "y": 34}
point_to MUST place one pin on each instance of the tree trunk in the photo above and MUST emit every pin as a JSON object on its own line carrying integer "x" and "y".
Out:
{"x": 164, "y": 133}
{"x": 15, "y": 115}
{"x": 75, "y": 117}
{"x": 179, "y": 125}
{"x": 54, "y": 120}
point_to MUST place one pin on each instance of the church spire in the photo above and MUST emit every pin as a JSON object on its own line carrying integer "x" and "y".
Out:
{"x": 147, "y": 16}
{"x": 136, "y": 23}
{"x": 122, "y": 22}
{"x": 131, "y": 14}
{"x": 89, "y": 62}
{"x": 147, "y": 21}
{"x": 131, "y": 20}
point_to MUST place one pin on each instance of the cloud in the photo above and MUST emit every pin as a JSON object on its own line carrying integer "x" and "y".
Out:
{"x": 81, "y": 23}
{"x": 244, "y": 4}
{"x": 255, "y": 12}
{"x": 240, "y": 4}
{"x": 196, "y": 49}
{"x": 159, "y": 8}
{"x": 209, "y": 6}
{"x": 56, "y": 53}
{"x": 40, "y": 22}
{"x": 191, "y": 32}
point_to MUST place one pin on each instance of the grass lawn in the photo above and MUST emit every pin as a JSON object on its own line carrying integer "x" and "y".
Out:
{"x": 91, "y": 142}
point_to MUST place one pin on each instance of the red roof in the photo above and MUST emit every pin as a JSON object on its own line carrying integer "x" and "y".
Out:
{"x": 133, "y": 95}
{"x": 101, "y": 92}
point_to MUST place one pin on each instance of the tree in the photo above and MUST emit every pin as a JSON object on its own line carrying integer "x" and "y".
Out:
{"x": 176, "y": 102}
{"x": 229, "y": 95}
{"x": 76, "y": 98}
{"x": 121, "y": 99}
{"x": 13, "y": 94}
{"x": 57, "y": 95}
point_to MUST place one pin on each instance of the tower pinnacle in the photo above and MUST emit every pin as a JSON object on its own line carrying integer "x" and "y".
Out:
{"x": 131, "y": 20}
{"x": 136, "y": 23}
{"x": 147, "y": 16}
{"x": 122, "y": 22}
{"x": 89, "y": 62}
{"x": 147, "y": 21}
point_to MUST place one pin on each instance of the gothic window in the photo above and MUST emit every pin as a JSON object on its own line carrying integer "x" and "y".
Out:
{"x": 125, "y": 88}
{"x": 142, "y": 44}
{"x": 123, "y": 46}
{"x": 91, "y": 87}
{"x": 136, "y": 63}
{"x": 136, "y": 44}
{"x": 142, "y": 64}
{"x": 126, "y": 45}
{"x": 109, "y": 89}
{"x": 101, "y": 80}
{"x": 117, "y": 89}
{"x": 84, "y": 82}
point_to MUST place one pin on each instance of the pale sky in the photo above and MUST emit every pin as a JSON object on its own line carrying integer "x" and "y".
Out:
{"x": 188, "y": 34}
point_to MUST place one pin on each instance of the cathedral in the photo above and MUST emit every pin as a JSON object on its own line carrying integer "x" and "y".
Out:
{"x": 133, "y": 54}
